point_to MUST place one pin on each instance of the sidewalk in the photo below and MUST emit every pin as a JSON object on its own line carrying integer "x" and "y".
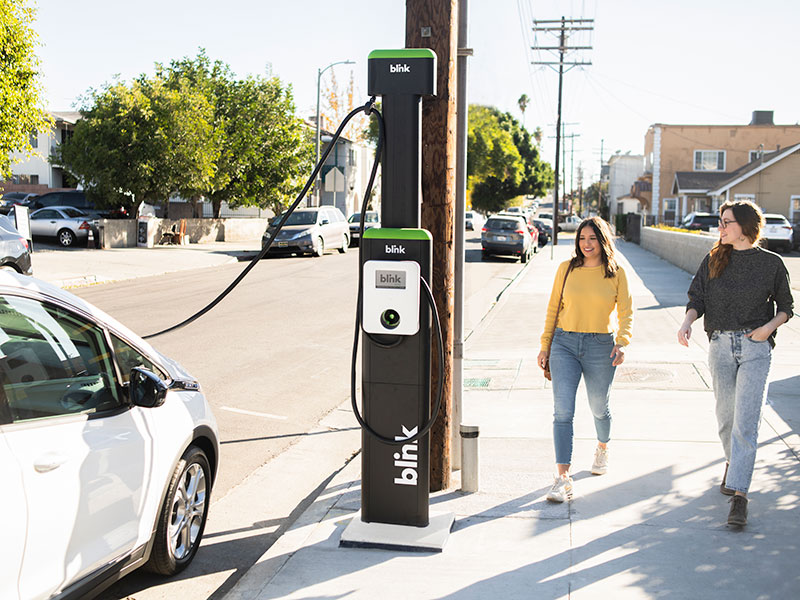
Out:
{"x": 654, "y": 526}
{"x": 75, "y": 267}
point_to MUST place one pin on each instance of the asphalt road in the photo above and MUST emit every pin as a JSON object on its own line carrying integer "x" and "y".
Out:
{"x": 273, "y": 358}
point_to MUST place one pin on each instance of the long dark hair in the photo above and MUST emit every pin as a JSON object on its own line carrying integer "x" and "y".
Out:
{"x": 750, "y": 218}
{"x": 604, "y": 236}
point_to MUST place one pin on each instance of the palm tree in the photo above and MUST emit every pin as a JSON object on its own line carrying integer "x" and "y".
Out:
{"x": 523, "y": 104}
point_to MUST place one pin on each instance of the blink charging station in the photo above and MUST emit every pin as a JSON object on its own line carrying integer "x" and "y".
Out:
{"x": 396, "y": 306}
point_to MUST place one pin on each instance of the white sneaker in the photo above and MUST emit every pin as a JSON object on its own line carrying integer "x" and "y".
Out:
{"x": 600, "y": 464}
{"x": 561, "y": 490}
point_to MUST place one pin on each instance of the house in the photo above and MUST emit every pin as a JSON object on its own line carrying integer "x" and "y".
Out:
{"x": 623, "y": 171}
{"x": 772, "y": 181}
{"x": 35, "y": 173}
{"x": 345, "y": 174}
{"x": 706, "y": 155}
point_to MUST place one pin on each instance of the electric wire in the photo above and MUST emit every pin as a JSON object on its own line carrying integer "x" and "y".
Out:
{"x": 366, "y": 108}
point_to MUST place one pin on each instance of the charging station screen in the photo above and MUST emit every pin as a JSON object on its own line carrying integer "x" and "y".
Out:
{"x": 390, "y": 280}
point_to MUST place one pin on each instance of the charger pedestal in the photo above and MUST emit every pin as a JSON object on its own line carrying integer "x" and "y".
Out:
{"x": 387, "y": 536}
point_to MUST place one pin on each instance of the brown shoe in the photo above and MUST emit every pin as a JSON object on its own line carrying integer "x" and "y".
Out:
{"x": 725, "y": 490}
{"x": 738, "y": 514}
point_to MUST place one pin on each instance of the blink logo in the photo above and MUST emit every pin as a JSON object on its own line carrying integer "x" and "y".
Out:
{"x": 399, "y": 69}
{"x": 406, "y": 459}
{"x": 395, "y": 249}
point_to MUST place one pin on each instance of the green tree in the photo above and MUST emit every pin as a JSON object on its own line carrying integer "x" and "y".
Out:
{"x": 523, "y": 102}
{"x": 141, "y": 142}
{"x": 265, "y": 152}
{"x": 502, "y": 160}
{"x": 21, "y": 113}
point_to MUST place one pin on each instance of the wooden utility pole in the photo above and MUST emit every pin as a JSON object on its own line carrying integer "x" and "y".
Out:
{"x": 434, "y": 24}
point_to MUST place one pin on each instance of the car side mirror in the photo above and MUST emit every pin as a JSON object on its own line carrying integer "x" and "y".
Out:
{"x": 324, "y": 222}
{"x": 146, "y": 388}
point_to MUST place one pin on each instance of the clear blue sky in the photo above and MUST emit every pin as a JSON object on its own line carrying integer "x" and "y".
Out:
{"x": 675, "y": 61}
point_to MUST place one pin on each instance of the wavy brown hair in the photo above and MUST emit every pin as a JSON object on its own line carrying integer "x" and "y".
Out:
{"x": 604, "y": 236}
{"x": 750, "y": 218}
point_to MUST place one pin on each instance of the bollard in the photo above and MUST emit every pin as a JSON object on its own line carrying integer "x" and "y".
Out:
{"x": 470, "y": 463}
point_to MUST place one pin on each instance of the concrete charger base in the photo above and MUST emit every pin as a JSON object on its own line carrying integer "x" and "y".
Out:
{"x": 407, "y": 538}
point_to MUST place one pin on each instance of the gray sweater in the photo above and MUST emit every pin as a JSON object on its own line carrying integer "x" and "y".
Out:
{"x": 751, "y": 290}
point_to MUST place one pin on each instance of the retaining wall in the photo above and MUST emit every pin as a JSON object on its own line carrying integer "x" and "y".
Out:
{"x": 121, "y": 233}
{"x": 684, "y": 250}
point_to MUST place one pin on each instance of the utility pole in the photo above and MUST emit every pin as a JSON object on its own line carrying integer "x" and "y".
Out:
{"x": 564, "y": 27}
{"x": 433, "y": 24}
{"x": 563, "y": 160}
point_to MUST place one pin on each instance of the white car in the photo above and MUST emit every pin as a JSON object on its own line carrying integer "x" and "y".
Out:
{"x": 108, "y": 449}
{"x": 570, "y": 223}
{"x": 778, "y": 232}
{"x": 65, "y": 223}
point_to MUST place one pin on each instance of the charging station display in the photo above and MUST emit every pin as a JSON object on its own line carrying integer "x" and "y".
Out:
{"x": 391, "y": 297}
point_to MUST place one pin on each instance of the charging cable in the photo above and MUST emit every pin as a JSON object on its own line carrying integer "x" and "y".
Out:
{"x": 368, "y": 108}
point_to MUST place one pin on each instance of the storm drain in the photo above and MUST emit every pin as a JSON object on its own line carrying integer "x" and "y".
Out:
{"x": 477, "y": 382}
{"x": 642, "y": 375}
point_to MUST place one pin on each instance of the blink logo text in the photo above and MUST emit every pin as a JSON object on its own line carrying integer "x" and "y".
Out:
{"x": 406, "y": 459}
{"x": 399, "y": 69}
{"x": 395, "y": 249}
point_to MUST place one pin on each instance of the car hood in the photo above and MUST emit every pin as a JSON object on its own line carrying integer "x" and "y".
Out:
{"x": 10, "y": 281}
{"x": 290, "y": 230}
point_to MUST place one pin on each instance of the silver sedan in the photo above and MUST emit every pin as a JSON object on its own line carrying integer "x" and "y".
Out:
{"x": 65, "y": 223}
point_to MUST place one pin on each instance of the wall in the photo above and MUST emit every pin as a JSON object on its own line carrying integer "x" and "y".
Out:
{"x": 623, "y": 171}
{"x": 684, "y": 250}
{"x": 121, "y": 233}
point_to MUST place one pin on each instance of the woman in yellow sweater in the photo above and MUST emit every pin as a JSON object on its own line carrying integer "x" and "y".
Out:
{"x": 579, "y": 340}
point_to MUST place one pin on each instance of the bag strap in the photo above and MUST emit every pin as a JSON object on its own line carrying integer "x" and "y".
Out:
{"x": 558, "y": 310}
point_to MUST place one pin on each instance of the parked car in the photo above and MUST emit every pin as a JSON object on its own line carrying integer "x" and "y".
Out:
{"x": 371, "y": 219}
{"x": 796, "y": 236}
{"x": 545, "y": 231}
{"x": 310, "y": 231}
{"x": 702, "y": 221}
{"x": 14, "y": 250}
{"x": 11, "y": 199}
{"x": 75, "y": 199}
{"x": 472, "y": 220}
{"x": 569, "y": 223}
{"x": 108, "y": 449}
{"x": 507, "y": 235}
{"x": 68, "y": 225}
{"x": 778, "y": 232}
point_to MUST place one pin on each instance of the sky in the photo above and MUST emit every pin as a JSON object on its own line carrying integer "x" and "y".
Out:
{"x": 673, "y": 61}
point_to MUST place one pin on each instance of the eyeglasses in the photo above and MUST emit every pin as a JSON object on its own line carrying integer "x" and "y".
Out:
{"x": 724, "y": 224}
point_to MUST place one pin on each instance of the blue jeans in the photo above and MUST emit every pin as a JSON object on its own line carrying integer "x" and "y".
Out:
{"x": 574, "y": 354}
{"x": 739, "y": 370}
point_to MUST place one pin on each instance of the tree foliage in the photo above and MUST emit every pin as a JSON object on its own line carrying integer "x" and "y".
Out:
{"x": 21, "y": 113}
{"x": 194, "y": 130}
{"x": 503, "y": 161}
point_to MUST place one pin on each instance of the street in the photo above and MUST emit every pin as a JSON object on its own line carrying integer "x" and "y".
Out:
{"x": 273, "y": 358}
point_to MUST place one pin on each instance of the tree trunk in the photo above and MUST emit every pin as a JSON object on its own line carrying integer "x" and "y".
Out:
{"x": 438, "y": 199}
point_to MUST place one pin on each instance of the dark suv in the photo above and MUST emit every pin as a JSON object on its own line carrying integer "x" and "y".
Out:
{"x": 700, "y": 220}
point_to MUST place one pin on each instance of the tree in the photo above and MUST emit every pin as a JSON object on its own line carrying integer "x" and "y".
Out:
{"x": 502, "y": 162}
{"x": 523, "y": 104}
{"x": 21, "y": 113}
{"x": 141, "y": 143}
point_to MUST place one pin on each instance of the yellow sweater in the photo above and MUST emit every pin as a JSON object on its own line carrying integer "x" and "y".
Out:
{"x": 589, "y": 301}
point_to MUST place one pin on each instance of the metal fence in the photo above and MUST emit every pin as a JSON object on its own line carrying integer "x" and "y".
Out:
{"x": 225, "y": 212}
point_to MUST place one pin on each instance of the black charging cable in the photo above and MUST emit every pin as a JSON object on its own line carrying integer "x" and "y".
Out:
{"x": 359, "y": 306}
{"x": 367, "y": 108}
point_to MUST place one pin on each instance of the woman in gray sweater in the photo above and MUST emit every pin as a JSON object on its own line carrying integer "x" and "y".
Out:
{"x": 743, "y": 292}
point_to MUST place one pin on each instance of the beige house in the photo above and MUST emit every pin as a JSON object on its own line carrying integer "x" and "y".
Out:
{"x": 711, "y": 153}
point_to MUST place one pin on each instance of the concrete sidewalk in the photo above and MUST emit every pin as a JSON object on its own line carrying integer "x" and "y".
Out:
{"x": 654, "y": 526}
{"x": 75, "y": 267}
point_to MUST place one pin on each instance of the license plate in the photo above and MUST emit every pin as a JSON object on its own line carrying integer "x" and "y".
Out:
{"x": 355, "y": 234}
{"x": 283, "y": 244}
{"x": 500, "y": 238}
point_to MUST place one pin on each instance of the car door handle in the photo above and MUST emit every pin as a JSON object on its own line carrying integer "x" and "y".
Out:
{"x": 49, "y": 462}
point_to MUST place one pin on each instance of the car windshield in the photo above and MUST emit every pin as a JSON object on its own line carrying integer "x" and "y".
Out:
{"x": 306, "y": 217}
{"x": 503, "y": 224}
{"x": 371, "y": 217}
{"x": 73, "y": 212}
{"x": 777, "y": 221}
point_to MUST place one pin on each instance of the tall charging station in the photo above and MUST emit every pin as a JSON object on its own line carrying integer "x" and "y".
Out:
{"x": 396, "y": 262}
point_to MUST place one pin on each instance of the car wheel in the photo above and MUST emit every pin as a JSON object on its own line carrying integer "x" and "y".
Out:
{"x": 485, "y": 254}
{"x": 182, "y": 518}
{"x": 65, "y": 237}
{"x": 319, "y": 247}
{"x": 524, "y": 257}
{"x": 345, "y": 244}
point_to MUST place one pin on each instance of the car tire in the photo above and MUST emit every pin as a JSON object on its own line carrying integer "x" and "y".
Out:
{"x": 182, "y": 518}
{"x": 536, "y": 247}
{"x": 524, "y": 256}
{"x": 345, "y": 244}
{"x": 319, "y": 247}
{"x": 65, "y": 238}
{"x": 485, "y": 255}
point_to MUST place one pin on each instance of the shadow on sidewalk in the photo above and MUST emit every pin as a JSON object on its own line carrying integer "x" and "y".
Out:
{"x": 665, "y": 281}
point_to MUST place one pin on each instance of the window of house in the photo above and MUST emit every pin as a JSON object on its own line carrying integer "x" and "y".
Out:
{"x": 739, "y": 197}
{"x": 34, "y": 139}
{"x": 794, "y": 210}
{"x": 709, "y": 160}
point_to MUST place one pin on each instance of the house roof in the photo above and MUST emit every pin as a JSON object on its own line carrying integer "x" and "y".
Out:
{"x": 751, "y": 169}
{"x": 697, "y": 182}
{"x": 66, "y": 116}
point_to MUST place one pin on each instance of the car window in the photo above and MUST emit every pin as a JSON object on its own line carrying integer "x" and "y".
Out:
{"x": 49, "y": 200}
{"x": 52, "y": 362}
{"x": 307, "y": 217}
{"x": 503, "y": 224}
{"x": 46, "y": 214}
{"x": 337, "y": 215}
{"x": 73, "y": 212}
{"x": 129, "y": 357}
{"x": 76, "y": 200}
{"x": 356, "y": 218}
{"x": 777, "y": 221}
